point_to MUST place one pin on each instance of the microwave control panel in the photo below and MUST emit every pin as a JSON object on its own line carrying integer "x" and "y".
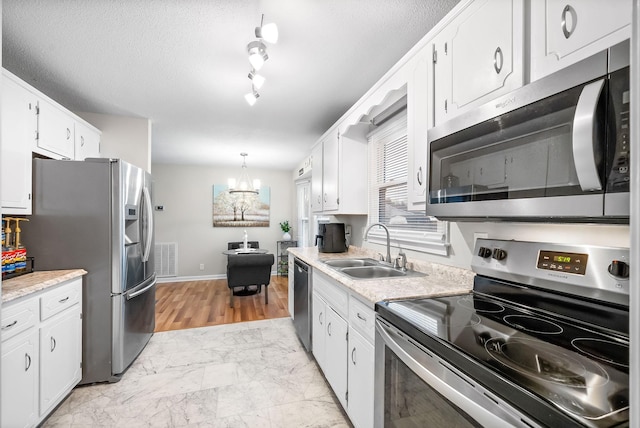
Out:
{"x": 618, "y": 179}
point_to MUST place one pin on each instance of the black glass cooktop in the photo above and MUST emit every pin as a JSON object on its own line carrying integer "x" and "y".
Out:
{"x": 571, "y": 354}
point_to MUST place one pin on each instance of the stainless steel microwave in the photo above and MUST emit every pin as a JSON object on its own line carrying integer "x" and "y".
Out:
{"x": 556, "y": 149}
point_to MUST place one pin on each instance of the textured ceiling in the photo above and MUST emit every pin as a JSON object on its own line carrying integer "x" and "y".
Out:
{"x": 183, "y": 64}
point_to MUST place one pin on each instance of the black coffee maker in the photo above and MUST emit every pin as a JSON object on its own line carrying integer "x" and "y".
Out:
{"x": 331, "y": 238}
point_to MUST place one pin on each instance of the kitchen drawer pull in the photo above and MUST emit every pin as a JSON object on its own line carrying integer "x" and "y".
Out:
{"x": 63, "y": 300}
{"x": 361, "y": 317}
{"x": 53, "y": 343}
{"x": 5, "y": 327}
{"x": 574, "y": 20}
{"x": 498, "y": 58}
{"x": 353, "y": 356}
{"x": 27, "y": 362}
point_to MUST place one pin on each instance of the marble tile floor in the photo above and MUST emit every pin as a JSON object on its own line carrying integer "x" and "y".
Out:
{"x": 253, "y": 374}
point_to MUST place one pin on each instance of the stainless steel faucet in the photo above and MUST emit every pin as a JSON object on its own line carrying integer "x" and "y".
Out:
{"x": 388, "y": 259}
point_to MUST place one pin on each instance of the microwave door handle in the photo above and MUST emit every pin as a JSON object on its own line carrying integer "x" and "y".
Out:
{"x": 149, "y": 213}
{"x": 583, "y": 136}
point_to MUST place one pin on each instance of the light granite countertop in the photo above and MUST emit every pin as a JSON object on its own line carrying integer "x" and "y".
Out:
{"x": 440, "y": 280}
{"x": 24, "y": 285}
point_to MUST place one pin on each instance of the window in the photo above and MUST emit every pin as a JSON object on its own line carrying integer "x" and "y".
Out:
{"x": 388, "y": 200}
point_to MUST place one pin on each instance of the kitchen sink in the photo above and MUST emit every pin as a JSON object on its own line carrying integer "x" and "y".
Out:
{"x": 347, "y": 263}
{"x": 369, "y": 272}
{"x": 366, "y": 268}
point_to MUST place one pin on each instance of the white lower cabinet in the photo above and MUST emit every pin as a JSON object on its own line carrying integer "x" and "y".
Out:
{"x": 41, "y": 353}
{"x": 60, "y": 358}
{"x": 361, "y": 371}
{"x": 342, "y": 345}
{"x": 20, "y": 380}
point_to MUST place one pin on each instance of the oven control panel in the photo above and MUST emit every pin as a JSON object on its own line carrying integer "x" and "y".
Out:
{"x": 575, "y": 263}
{"x": 600, "y": 273}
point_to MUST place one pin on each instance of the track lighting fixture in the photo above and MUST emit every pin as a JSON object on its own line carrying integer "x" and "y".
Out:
{"x": 257, "y": 51}
{"x": 267, "y": 32}
{"x": 257, "y": 79}
{"x": 252, "y": 96}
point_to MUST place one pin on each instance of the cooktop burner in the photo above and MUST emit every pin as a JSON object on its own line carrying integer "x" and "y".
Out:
{"x": 547, "y": 362}
{"x": 480, "y": 305}
{"x": 604, "y": 350}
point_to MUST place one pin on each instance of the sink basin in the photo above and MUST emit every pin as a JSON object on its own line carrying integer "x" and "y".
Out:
{"x": 347, "y": 263}
{"x": 368, "y": 272}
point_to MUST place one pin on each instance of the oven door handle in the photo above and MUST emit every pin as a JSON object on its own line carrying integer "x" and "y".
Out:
{"x": 483, "y": 414}
{"x": 585, "y": 146}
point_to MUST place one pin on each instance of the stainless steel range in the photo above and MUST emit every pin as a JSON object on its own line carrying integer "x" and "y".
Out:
{"x": 541, "y": 341}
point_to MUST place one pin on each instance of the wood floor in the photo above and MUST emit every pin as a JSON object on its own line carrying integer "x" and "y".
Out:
{"x": 190, "y": 304}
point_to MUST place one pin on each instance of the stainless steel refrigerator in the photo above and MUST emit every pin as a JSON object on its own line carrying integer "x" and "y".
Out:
{"x": 97, "y": 215}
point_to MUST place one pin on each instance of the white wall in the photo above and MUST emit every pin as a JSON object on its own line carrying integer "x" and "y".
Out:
{"x": 123, "y": 137}
{"x": 186, "y": 193}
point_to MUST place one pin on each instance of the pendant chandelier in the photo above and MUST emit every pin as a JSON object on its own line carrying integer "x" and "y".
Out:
{"x": 244, "y": 184}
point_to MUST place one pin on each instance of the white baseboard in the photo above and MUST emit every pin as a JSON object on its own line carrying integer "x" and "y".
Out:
{"x": 166, "y": 279}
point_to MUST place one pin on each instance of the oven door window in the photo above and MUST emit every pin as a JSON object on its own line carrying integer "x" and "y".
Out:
{"x": 410, "y": 402}
{"x": 544, "y": 149}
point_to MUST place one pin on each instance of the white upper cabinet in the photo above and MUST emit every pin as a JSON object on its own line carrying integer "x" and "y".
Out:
{"x": 55, "y": 131}
{"x": 418, "y": 95}
{"x": 87, "y": 141}
{"x": 565, "y": 32}
{"x": 478, "y": 56}
{"x": 339, "y": 175}
{"x": 316, "y": 178}
{"x": 18, "y": 134}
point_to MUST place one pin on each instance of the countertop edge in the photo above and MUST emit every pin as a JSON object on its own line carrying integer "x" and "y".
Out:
{"x": 25, "y": 285}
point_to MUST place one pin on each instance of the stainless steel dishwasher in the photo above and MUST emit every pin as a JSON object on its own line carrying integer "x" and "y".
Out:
{"x": 302, "y": 302}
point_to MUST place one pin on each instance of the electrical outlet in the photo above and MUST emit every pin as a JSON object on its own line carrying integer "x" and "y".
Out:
{"x": 201, "y": 266}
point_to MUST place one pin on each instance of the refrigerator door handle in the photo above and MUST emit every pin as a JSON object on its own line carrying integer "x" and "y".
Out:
{"x": 147, "y": 245}
{"x": 143, "y": 290}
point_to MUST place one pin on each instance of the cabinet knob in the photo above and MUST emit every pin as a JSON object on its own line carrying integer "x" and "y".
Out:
{"x": 419, "y": 176}
{"x": 27, "y": 362}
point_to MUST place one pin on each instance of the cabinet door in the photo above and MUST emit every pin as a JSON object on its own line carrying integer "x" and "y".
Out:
{"x": 486, "y": 47}
{"x": 55, "y": 130}
{"x": 87, "y": 142}
{"x": 20, "y": 380}
{"x": 318, "y": 329}
{"x": 60, "y": 357}
{"x": 361, "y": 374}
{"x": 330, "y": 175}
{"x": 441, "y": 76}
{"x": 336, "y": 355}
{"x": 316, "y": 178}
{"x": 418, "y": 95}
{"x": 565, "y": 32}
{"x": 18, "y": 135}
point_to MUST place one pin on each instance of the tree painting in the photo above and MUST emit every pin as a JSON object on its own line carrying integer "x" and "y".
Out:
{"x": 240, "y": 209}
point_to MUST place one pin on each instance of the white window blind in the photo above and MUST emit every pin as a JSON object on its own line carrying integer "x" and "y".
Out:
{"x": 388, "y": 199}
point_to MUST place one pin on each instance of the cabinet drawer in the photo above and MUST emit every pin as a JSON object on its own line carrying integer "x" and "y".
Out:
{"x": 362, "y": 318}
{"x": 18, "y": 317}
{"x": 332, "y": 293}
{"x": 61, "y": 298}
